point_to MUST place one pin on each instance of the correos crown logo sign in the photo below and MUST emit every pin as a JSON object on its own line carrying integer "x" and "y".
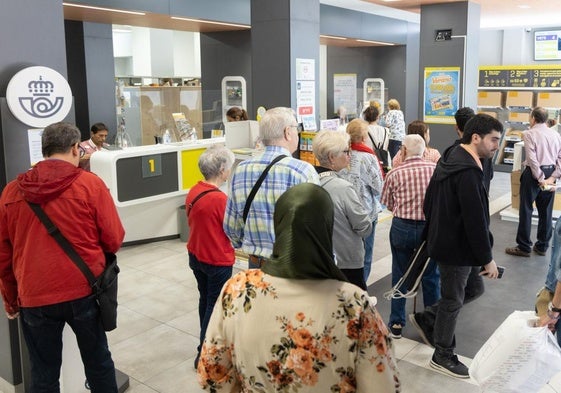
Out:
{"x": 39, "y": 96}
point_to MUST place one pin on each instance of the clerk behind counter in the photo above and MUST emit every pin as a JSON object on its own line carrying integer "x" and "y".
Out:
{"x": 95, "y": 143}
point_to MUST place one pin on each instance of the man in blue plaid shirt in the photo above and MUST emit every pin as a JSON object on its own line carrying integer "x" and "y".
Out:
{"x": 278, "y": 130}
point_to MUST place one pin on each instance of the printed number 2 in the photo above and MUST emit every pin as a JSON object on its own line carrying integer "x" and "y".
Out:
{"x": 151, "y": 163}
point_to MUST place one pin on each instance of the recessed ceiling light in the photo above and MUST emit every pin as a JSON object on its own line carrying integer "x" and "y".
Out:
{"x": 209, "y": 22}
{"x": 333, "y": 37}
{"x": 524, "y": 6}
{"x": 103, "y": 9}
{"x": 376, "y": 42}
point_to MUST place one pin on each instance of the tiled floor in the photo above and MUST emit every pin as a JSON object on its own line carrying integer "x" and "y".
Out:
{"x": 158, "y": 329}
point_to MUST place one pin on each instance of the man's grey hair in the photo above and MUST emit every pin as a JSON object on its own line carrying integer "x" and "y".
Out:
{"x": 214, "y": 160}
{"x": 59, "y": 138}
{"x": 415, "y": 145}
{"x": 273, "y": 124}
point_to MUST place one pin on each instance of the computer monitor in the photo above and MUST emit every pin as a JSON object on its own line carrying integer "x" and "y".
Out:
{"x": 241, "y": 134}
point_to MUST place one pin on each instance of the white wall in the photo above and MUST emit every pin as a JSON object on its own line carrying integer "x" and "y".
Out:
{"x": 157, "y": 52}
{"x": 512, "y": 46}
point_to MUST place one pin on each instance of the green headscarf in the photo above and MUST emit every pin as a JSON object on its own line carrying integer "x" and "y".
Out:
{"x": 303, "y": 246}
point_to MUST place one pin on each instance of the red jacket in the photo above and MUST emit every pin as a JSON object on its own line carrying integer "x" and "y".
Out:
{"x": 207, "y": 240}
{"x": 34, "y": 270}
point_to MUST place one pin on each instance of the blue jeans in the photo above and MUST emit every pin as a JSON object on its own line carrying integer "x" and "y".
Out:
{"x": 530, "y": 192}
{"x": 405, "y": 237}
{"x": 210, "y": 280}
{"x": 459, "y": 285}
{"x": 368, "y": 250}
{"x": 42, "y": 329}
{"x": 555, "y": 261}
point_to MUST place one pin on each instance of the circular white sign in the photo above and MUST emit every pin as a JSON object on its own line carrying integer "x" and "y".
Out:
{"x": 39, "y": 96}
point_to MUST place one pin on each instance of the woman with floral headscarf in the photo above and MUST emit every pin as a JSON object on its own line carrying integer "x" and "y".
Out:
{"x": 297, "y": 325}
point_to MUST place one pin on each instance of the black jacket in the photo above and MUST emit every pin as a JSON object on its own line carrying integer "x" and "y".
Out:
{"x": 457, "y": 211}
{"x": 486, "y": 163}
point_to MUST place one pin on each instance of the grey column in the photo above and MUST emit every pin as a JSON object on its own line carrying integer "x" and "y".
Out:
{"x": 463, "y": 19}
{"x": 281, "y": 32}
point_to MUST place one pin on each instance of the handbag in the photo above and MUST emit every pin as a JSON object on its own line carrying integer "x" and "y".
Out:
{"x": 104, "y": 287}
{"x": 383, "y": 156}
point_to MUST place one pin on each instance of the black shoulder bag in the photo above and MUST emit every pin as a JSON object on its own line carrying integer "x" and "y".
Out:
{"x": 104, "y": 288}
{"x": 199, "y": 196}
{"x": 257, "y": 185}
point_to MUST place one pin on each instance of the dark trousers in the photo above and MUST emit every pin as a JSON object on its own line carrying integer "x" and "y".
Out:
{"x": 355, "y": 276}
{"x": 393, "y": 147}
{"x": 459, "y": 285}
{"x": 530, "y": 192}
{"x": 405, "y": 237}
{"x": 42, "y": 329}
{"x": 210, "y": 280}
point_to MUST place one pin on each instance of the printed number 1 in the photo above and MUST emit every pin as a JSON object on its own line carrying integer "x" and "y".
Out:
{"x": 151, "y": 163}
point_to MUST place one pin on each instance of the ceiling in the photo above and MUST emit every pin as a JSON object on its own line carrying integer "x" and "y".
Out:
{"x": 498, "y": 14}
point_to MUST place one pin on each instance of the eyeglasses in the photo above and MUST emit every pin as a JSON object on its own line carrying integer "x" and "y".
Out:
{"x": 82, "y": 151}
{"x": 347, "y": 152}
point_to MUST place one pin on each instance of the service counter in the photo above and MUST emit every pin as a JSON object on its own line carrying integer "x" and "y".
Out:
{"x": 149, "y": 184}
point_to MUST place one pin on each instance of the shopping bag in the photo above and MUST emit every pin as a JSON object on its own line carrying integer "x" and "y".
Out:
{"x": 517, "y": 358}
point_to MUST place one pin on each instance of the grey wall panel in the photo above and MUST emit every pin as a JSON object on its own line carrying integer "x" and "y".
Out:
{"x": 387, "y": 63}
{"x": 412, "y": 75}
{"x": 224, "y": 54}
{"x": 235, "y": 11}
{"x": 100, "y": 74}
{"x": 462, "y": 18}
{"x": 347, "y": 23}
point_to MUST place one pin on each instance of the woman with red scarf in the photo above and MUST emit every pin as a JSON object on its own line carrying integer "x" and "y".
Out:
{"x": 366, "y": 177}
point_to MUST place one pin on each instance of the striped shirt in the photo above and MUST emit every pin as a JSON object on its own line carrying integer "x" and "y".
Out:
{"x": 405, "y": 187}
{"x": 256, "y": 237}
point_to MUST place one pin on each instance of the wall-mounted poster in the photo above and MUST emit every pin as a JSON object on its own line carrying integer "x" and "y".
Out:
{"x": 442, "y": 93}
{"x": 344, "y": 92}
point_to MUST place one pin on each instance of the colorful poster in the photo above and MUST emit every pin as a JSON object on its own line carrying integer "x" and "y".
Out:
{"x": 441, "y": 94}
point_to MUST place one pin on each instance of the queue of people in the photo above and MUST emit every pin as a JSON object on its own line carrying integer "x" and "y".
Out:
{"x": 309, "y": 234}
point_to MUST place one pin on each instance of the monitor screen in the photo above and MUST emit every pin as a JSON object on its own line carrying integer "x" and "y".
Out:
{"x": 547, "y": 45}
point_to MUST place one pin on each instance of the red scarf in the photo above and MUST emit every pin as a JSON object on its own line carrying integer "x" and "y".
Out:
{"x": 363, "y": 148}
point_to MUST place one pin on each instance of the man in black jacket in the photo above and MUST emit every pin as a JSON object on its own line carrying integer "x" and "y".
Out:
{"x": 462, "y": 116}
{"x": 458, "y": 237}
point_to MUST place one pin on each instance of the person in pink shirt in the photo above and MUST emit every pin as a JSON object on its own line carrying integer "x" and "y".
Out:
{"x": 95, "y": 143}
{"x": 542, "y": 146}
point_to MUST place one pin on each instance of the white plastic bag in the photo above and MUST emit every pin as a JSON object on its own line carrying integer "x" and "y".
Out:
{"x": 517, "y": 358}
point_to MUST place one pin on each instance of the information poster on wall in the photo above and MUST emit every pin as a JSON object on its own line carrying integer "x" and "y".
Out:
{"x": 344, "y": 92}
{"x": 306, "y": 93}
{"x": 530, "y": 77}
{"x": 441, "y": 94}
{"x": 35, "y": 146}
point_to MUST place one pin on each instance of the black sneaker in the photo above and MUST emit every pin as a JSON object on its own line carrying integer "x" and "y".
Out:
{"x": 426, "y": 336}
{"x": 395, "y": 330}
{"x": 450, "y": 366}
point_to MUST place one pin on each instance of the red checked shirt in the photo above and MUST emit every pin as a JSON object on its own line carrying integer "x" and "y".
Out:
{"x": 405, "y": 186}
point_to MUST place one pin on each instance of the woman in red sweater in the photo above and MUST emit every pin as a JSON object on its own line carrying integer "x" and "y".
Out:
{"x": 211, "y": 255}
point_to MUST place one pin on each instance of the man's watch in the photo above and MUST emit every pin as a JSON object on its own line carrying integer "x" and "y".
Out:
{"x": 551, "y": 308}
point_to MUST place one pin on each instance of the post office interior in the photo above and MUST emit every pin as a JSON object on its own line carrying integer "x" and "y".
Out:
{"x": 134, "y": 64}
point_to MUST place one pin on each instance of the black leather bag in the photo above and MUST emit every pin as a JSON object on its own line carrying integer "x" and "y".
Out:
{"x": 105, "y": 291}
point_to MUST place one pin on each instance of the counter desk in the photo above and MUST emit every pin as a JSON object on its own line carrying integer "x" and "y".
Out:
{"x": 149, "y": 184}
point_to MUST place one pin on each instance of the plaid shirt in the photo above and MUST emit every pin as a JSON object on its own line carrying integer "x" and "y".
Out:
{"x": 257, "y": 235}
{"x": 405, "y": 187}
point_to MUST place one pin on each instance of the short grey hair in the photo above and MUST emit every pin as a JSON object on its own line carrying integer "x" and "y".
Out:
{"x": 59, "y": 138}
{"x": 328, "y": 143}
{"x": 273, "y": 124}
{"x": 415, "y": 144}
{"x": 214, "y": 160}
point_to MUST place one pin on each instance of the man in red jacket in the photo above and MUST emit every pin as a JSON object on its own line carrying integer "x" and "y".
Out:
{"x": 38, "y": 280}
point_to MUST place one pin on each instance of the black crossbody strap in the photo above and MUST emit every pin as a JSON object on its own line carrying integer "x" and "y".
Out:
{"x": 202, "y": 194}
{"x": 53, "y": 230}
{"x": 257, "y": 185}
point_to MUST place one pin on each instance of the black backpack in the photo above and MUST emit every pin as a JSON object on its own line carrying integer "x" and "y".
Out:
{"x": 383, "y": 155}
